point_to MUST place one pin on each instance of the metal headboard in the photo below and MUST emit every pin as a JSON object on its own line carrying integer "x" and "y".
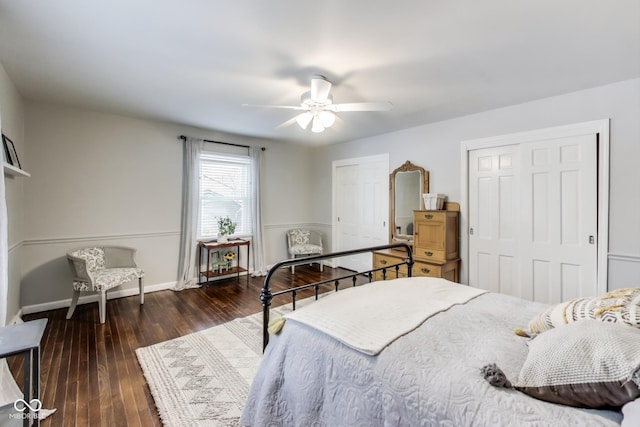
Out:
{"x": 266, "y": 295}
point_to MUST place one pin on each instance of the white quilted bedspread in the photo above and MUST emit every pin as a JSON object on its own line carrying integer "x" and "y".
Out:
{"x": 429, "y": 377}
{"x": 369, "y": 321}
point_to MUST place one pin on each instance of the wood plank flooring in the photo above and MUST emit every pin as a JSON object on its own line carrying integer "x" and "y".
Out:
{"x": 89, "y": 371}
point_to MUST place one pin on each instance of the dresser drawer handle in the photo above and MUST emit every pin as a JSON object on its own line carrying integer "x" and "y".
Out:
{"x": 429, "y": 216}
{"x": 383, "y": 261}
{"x": 428, "y": 253}
{"x": 425, "y": 270}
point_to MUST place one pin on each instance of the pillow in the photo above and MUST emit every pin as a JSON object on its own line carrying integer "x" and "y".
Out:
{"x": 586, "y": 364}
{"x": 621, "y": 306}
{"x": 631, "y": 414}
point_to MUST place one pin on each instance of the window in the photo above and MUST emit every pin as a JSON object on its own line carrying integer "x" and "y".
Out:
{"x": 224, "y": 191}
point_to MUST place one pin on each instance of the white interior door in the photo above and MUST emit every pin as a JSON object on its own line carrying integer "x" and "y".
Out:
{"x": 348, "y": 207}
{"x": 559, "y": 218}
{"x": 533, "y": 218}
{"x": 494, "y": 191}
{"x": 361, "y": 207}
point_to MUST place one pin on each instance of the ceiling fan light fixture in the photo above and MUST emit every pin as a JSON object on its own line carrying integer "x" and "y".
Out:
{"x": 318, "y": 110}
{"x": 327, "y": 118}
{"x": 317, "y": 126}
{"x": 304, "y": 119}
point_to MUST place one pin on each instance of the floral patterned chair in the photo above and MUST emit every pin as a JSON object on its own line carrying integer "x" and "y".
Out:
{"x": 302, "y": 242}
{"x": 98, "y": 269}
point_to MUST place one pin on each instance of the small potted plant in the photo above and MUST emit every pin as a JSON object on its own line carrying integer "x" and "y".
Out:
{"x": 225, "y": 228}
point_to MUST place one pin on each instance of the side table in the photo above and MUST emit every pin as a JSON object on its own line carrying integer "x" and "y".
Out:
{"x": 210, "y": 246}
{"x": 24, "y": 338}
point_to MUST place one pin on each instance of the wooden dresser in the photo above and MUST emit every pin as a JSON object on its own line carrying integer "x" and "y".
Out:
{"x": 436, "y": 247}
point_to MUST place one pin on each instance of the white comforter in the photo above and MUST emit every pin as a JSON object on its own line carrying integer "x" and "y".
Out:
{"x": 369, "y": 321}
{"x": 429, "y": 377}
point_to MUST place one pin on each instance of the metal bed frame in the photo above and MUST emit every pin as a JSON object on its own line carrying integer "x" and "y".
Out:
{"x": 266, "y": 296}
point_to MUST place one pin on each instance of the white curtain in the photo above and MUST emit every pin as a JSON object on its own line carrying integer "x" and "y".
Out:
{"x": 187, "y": 271}
{"x": 259, "y": 268}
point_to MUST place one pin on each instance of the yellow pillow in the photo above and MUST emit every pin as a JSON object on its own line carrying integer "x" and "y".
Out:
{"x": 618, "y": 306}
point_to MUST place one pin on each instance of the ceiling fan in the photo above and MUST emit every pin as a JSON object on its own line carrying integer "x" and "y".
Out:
{"x": 318, "y": 108}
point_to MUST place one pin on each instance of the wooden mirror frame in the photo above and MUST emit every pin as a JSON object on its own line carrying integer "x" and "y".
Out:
{"x": 424, "y": 184}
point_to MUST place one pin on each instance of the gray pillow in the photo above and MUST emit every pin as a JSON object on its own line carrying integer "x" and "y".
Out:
{"x": 588, "y": 364}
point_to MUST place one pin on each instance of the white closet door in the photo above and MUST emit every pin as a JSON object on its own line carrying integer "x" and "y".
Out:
{"x": 348, "y": 207}
{"x": 362, "y": 206}
{"x": 559, "y": 218}
{"x": 494, "y": 191}
{"x": 533, "y": 219}
{"x": 374, "y": 192}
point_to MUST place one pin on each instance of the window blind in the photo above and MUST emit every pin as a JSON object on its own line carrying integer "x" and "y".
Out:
{"x": 224, "y": 191}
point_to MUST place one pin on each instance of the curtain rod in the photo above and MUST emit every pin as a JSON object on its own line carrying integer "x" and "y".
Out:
{"x": 184, "y": 138}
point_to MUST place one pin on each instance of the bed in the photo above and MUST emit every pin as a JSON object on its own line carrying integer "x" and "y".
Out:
{"x": 430, "y": 376}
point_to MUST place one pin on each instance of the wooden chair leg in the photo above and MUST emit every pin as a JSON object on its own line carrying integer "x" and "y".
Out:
{"x": 74, "y": 302}
{"x": 102, "y": 307}
{"x": 141, "y": 288}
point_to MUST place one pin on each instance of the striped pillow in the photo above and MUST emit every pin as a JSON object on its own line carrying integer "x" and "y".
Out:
{"x": 619, "y": 306}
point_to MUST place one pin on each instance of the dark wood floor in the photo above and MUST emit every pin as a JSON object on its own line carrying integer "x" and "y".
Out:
{"x": 89, "y": 371}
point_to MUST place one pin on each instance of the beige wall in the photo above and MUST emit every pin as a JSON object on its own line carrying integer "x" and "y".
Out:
{"x": 12, "y": 113}
{"x": 436, "y": 147}
{"x": 103, "y": 178}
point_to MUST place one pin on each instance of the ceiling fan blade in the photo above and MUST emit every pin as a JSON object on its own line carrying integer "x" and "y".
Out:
{"x": 320, "y": 88}
{"x": 360, "y": 106}
{"x": 338, "y": 125}
{"x": 286, "y": 107}
{"x": 287, "y": 123}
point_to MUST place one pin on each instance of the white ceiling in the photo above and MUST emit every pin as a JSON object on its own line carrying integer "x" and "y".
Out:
{"x": 196, "y": 62}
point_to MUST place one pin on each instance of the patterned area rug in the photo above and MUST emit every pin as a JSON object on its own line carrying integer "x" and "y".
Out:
{"x": 203, "y": 379}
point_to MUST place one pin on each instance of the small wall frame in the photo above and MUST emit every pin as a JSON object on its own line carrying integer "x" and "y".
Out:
{"x": 10, "y": 153}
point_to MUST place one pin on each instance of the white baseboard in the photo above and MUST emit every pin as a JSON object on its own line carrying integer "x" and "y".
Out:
{"x": 118, "y": 293}
{"x": 16, "y": 319}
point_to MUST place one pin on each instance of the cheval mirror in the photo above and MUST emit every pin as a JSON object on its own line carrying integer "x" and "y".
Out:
{"x": 406, "y": 186}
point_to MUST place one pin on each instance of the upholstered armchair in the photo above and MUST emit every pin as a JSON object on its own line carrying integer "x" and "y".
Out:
{"x": 98, "y": 269}
{"x": 302, "y": 242}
